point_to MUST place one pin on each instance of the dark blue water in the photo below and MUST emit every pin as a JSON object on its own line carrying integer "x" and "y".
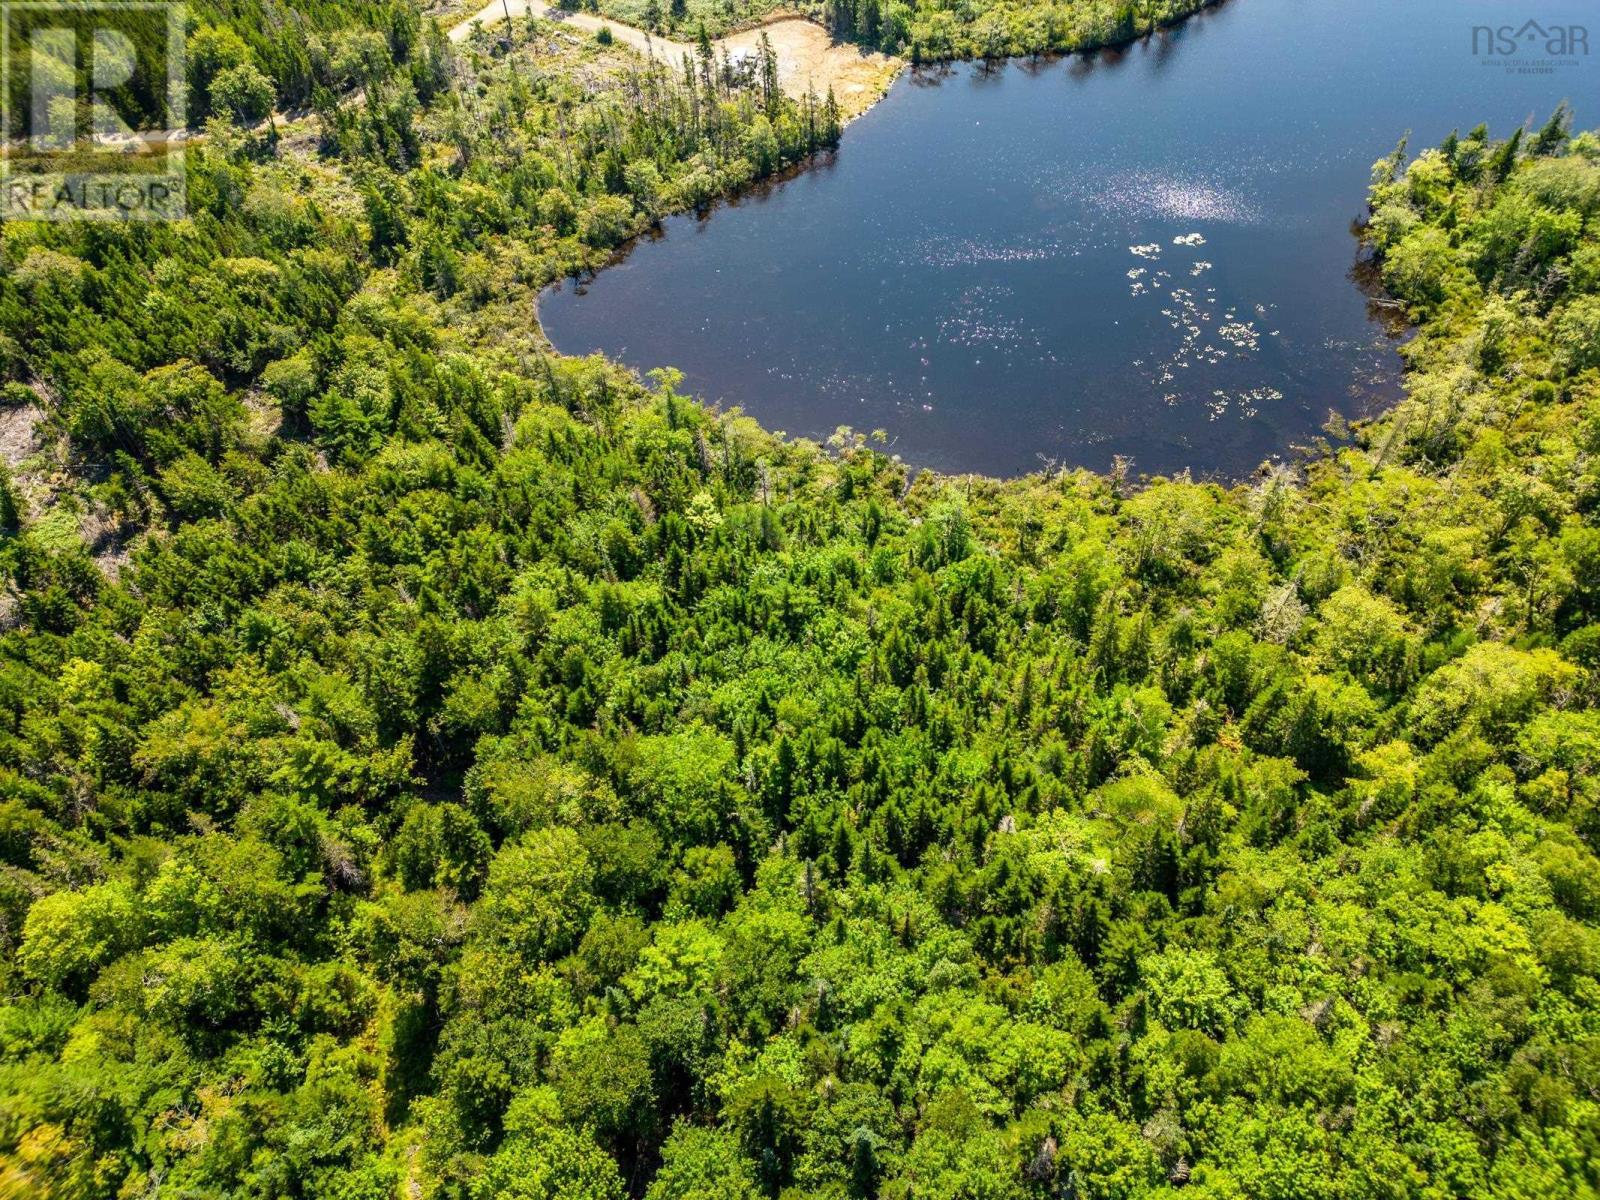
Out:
{"x": 1145, "y": 252}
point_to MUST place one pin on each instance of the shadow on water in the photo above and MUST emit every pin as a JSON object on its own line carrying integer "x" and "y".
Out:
{"x": 1383, "y": 310}
{"x": 821, "y": 163}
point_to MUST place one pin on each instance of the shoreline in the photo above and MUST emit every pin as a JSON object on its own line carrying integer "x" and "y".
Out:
{"x": 807, "y": 52}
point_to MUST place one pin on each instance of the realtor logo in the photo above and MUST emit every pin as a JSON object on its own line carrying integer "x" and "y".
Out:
{"x": 93, "y": 117}
{"x": 1530, "y": 48}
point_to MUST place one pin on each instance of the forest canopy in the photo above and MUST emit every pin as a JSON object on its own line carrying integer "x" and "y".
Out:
{"x": 433, "y": 767}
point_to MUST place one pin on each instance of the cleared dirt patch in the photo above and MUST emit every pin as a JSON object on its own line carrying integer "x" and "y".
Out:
{"x": 18, "y": 437}
{"x": 808, "y": 58}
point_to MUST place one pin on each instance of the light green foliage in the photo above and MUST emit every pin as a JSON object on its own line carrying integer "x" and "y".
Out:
{"x": 702, "y": 1164}
{"x": 681, "y": 960}
{"x": 538, "y": 897}
{"x": 68, "y": 936}
{"x": 683, "y": 779}
{"x": 1189, "y": 991}
{"x": 243, "y": 93}
{"x": 549, "y": 1164}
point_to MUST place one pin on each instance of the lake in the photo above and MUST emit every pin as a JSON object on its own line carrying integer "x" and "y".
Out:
{"x": 1144, "y": 252}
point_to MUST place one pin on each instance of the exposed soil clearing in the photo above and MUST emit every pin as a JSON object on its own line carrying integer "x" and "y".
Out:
{"x": 808, "y": 58}
{"x": 19, "y": 433}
